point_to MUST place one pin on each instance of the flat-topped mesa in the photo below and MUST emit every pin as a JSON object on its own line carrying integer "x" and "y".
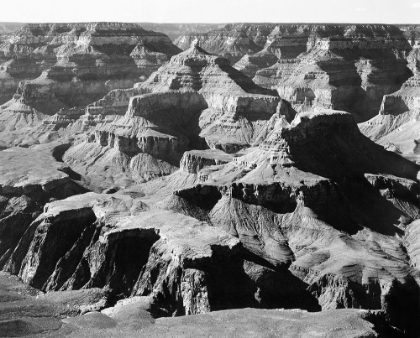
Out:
{"x": 151, "y": 124}
{"x": 313, "y": 147}
{"x": 320, "y": 125}
{"x": 194, "y": 160}
{"x": 115, "y": 102}
{"x": 147, "y": 104}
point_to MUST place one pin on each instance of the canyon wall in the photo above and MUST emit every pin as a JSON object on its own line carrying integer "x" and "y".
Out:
{"x": 48, "y": 67}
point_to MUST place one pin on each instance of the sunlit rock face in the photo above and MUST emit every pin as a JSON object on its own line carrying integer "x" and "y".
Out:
{"x": 396, "y": 125}
{"x": 50, "y": 68}
{"x": 295, "y": 201}
{"x": 198, "y": 190}
{"x": 347, "y": 67}
{"x": 195, "y": 101}
{"x": 234, "y": 41}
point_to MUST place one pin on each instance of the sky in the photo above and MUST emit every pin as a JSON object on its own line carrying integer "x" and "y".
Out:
{"x": 212, "y": 11}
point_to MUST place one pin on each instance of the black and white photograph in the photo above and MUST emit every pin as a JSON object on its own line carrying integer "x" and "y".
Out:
{"x": 210, "y": 169}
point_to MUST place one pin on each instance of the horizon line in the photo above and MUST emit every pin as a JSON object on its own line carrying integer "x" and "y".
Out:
{"x": 211, "y": 23}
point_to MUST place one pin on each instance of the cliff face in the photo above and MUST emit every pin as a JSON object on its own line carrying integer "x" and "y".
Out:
{"x": 348, "y": 67}
{"x": 29, "y": 179}
{"x": 59, "y": 66}
{"x": 295, "y": 201}
{"x": 195, "y": 101}
{"x": 202, "y": 181}
{"x": 396, "y": 125}
{"x": 234, "y": 41}
{"x": 344, "y": 67}
{"x": 314, "y": 216}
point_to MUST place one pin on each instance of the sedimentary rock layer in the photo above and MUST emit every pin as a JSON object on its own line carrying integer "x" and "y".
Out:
{"x": 59, "y": 66}
{"x": 207, "y": 104}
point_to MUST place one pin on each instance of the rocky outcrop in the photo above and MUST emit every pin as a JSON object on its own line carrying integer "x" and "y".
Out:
{"x": 297, "y": 210}
{"x": 29, "y": 179}
{"x": 56, "y": 314}
{"x": 395, "y": 127}
{"x": 235, "y": 41}
{"x": 208, "y": 104}
{"x": 193, "y": 161}
{"x": 332, "y": 74}
{"x": 347, "y": 67}
{"x": 184, "y": 265}
{"x": 67, "y": 65}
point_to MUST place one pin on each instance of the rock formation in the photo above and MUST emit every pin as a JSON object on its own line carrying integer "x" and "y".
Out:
{"x": 284, "y": 219}
{"x": 347, "y": 67}
{"x": 234, "y": 41}
{"x": 195, "y": 101}
{"x": 291, "y": 206}
{"x": 29, "y": 179}
{"x": 344, "y": 67}
{"x": 396, "y": 125}
{"x": 67, "y": 65}
{"x": 198, "y": 190}
{"x": 175, "y": 30}
{"x": 53, "y": 315}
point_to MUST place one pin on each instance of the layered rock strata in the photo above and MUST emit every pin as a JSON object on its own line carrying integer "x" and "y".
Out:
{"x": 175, "y": 30}
{"x": 299, "y": 210}
{"x": 195, "y": 101}
{"x": 65, "y": 65}
{"x": 235, "y": 41}
{"x": 396, "y": 125}
{"x": 298, "y": 206}
{"x": 344, "y": 67}
{"x": 349, "y": 67}
{"x": 28, "y": 313}
{"x": 29, "y": 179}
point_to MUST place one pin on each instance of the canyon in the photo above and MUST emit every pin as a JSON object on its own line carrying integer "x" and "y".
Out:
{"x": 261, "y": 179}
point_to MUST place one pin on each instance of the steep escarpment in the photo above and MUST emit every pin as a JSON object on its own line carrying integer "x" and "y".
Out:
{"x": 235, "y": 41}
{"x": 205, "y": 181}
{"x": 55, "y": 315}
{"x": 347, "y": 67}
{"x": 196, "y": 101}
{"x": 295, "y": 202}
{"x": 117, "y": 242}
{"x": 396, "y": 125}
{"x": 65, "y": 65}
{"x": 29, "y": 179}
